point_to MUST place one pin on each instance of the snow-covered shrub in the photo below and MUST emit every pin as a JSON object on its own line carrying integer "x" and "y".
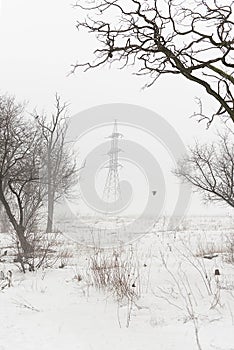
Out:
{"x": 46, "y": 252}
{"x": 117, "y": 273}
{"x": 229, "y": 251}
{"x": 5, "y": 279}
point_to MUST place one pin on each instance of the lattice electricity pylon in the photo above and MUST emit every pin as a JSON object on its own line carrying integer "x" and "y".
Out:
{"x": 111, "y": 191}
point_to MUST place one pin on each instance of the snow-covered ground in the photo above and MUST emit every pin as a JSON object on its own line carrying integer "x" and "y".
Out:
{"x": 180, "y": 302}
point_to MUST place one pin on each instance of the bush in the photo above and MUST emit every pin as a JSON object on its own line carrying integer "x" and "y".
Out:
{"x": 116, "y": 273}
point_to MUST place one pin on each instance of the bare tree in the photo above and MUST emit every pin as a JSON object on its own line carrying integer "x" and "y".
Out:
{"x": 210, "y": 169}
{"x": 59, "y": 168}
{"x": 20, "y": 153}
{"x": 193, "y": 39}
{"x": 4, "y": 221}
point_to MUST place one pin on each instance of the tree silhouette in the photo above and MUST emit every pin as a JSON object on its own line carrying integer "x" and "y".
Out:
{"x": 192, "y": 39}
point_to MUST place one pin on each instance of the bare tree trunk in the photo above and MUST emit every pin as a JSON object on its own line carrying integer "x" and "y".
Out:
{"x": 50, "y": 203}
{"x": 4, "y": 221}
{"x": 25, "y": 245}
{"x": 19, "y": 229}
{"x": 50, "y": 212}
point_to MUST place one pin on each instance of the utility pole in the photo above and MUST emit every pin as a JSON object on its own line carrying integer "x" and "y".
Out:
{"x": 111, "y": 192}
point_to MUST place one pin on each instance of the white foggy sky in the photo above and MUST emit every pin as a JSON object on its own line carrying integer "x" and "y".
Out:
{"x": 39, "y": 42}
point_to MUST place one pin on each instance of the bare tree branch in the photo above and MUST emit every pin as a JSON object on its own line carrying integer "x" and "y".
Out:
{"x": 210, "y": 169}
{"x": 193, "y": 39}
